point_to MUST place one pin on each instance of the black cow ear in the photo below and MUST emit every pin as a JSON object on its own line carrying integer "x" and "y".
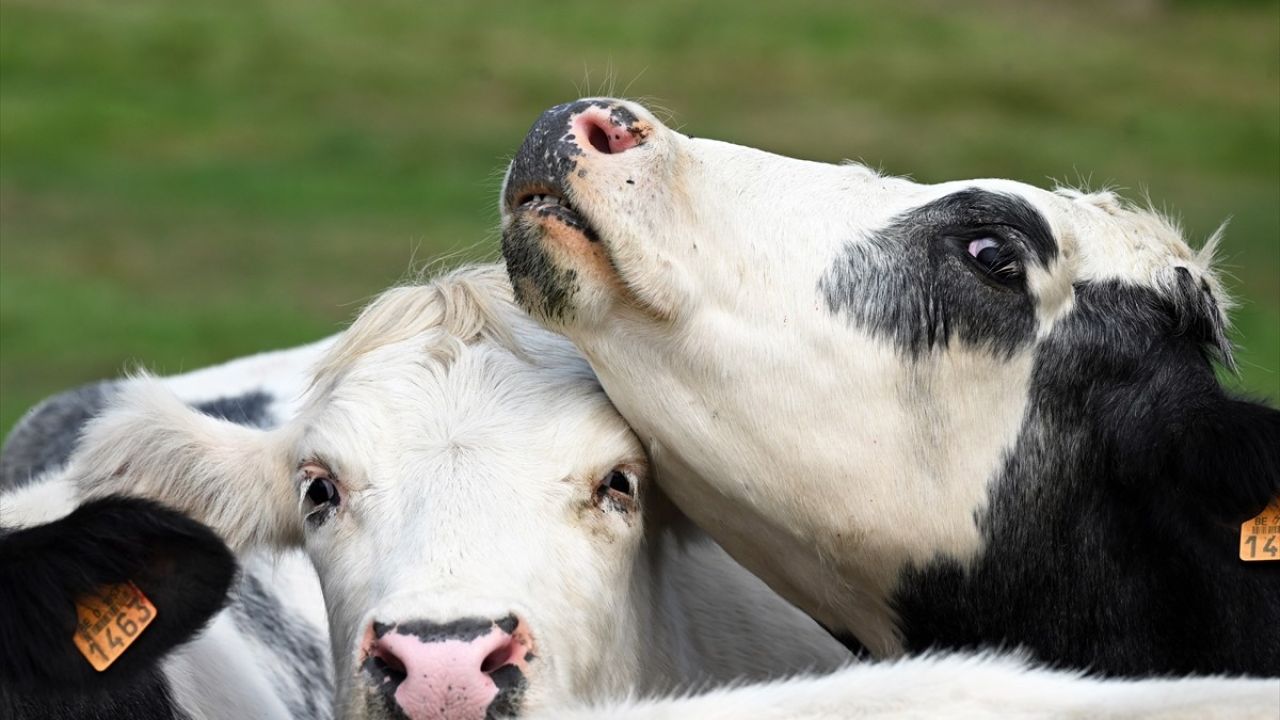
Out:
{"x": 1228, "y": 456}
{"x": 179, "y": 565}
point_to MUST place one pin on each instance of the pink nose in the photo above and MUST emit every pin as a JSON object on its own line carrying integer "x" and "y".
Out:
{"x": 607, "y": 130}
{"x": 465, "y": 669}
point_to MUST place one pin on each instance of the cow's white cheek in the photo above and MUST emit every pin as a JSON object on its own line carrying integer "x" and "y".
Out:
{"x": 343, "y": 569}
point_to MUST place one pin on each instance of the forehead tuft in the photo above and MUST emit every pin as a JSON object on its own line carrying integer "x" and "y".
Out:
{"x": 447, "y": 314}
{"x": 1112, "y": 239}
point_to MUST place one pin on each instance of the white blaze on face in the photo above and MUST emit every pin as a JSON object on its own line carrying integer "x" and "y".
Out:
{"x": 827, "y": 370}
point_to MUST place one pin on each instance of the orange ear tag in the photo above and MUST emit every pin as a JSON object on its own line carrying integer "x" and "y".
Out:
{"x": 109, "y": 620}
{"x": 1260, "y": 537}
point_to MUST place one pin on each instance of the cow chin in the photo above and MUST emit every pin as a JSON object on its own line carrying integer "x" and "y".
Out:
{"x": 558, "y": 273}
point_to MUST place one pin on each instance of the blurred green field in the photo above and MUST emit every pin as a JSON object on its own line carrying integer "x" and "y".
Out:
{"x": 182, "y": 183}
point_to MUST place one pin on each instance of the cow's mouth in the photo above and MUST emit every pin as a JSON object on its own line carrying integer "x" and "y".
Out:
{"x": 543, "y": 205}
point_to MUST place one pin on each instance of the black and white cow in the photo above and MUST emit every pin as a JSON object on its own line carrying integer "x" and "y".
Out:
{"x": 183, "y": 569}
{"x": 263, "y": 656}
{"x": 962, "y": 415}
{"x": 489, "y": 543}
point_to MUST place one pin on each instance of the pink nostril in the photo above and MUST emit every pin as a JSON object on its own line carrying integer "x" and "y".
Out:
{"x": 603, "y": 134}
{"x": 510, "y": 652}
{"x": 599, "y": 138}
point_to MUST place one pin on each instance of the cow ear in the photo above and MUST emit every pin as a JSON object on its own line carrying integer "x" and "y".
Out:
{"x": 182, "y": 568}
{"x": 236, "y": 479}
{"x": 1227, "y": 454}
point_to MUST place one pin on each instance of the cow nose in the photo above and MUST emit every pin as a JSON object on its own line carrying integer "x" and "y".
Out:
{"x": 566, "y": 136}
{"x": 470, "y": 668}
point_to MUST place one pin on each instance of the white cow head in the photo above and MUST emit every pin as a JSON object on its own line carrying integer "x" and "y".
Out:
{"x": 833, "y": 364}
{"x": 468, "y": 496}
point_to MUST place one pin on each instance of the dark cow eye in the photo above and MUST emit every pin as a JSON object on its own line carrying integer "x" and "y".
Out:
{"x": 995, "y": 258}
{"x": 619, "y": 482}
{"x": 616, "y": 491}
{"x": 322, "y": 491}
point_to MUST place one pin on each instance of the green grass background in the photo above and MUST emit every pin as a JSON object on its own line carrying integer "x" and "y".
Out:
{"x": 185, "y": 182}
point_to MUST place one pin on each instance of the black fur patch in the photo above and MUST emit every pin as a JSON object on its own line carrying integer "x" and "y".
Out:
{"x": 541, "y": 287}
{"x": 47, "y": 434}
{"x": 463, "y": 630}
{"x": 1112, "y": 532}
{"x": 913, "y": 284}
{"x": 146, "y": 697}
{"x": 179, "y": 564}
{"x": 249, "y": 409}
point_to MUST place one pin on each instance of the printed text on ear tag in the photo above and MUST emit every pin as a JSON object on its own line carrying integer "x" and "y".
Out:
{"x": 1260, "y": 536}
{"x": 109, "y": 620}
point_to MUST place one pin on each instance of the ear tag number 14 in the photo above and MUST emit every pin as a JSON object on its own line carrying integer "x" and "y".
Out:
{"x": 1260, "y": 536}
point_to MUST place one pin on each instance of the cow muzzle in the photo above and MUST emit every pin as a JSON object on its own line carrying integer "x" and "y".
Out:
{"x": 467, "y": 669}
{"x": 557, "y": 215}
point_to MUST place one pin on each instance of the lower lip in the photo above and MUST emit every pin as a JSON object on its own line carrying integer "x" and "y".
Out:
{"x": 563, "y": 213}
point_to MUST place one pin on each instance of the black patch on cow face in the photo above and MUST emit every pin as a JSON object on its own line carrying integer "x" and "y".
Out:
{"x": 179, "y": 564}
{"x": 914, "y": 284}
{"x": 463, "y": 630}
{"x": 1111, "y": 534}
{"x": 543, "y": 288}
{"x": 249, "y": 409}
{"x": 47, "y": 434}
{"x": 259, "y": 614}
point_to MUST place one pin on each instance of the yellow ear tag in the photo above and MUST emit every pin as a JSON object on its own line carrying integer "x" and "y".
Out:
{"x": 1260, "y": 537}
{"x": 109, "y": 620}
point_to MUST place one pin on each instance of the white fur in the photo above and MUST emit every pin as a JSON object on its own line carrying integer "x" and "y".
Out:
{"x": 957, "y": 686}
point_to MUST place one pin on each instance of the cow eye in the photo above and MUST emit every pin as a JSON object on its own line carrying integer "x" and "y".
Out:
{"x": 321, "y": 490}
{"x": 620, "y": 482}
{"x": 994, "y": 258}
{"x": 616, "y": 491}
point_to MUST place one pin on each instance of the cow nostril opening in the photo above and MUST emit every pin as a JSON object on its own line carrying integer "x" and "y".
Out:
{"x": 388, "y": 664}
{"x": 599, "y": 138}
{"x": 500, "y": 658}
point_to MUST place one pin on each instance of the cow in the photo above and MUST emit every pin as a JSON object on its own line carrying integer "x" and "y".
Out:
{"x": 934, "y": 416}
{"x": 489, "y": 542}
